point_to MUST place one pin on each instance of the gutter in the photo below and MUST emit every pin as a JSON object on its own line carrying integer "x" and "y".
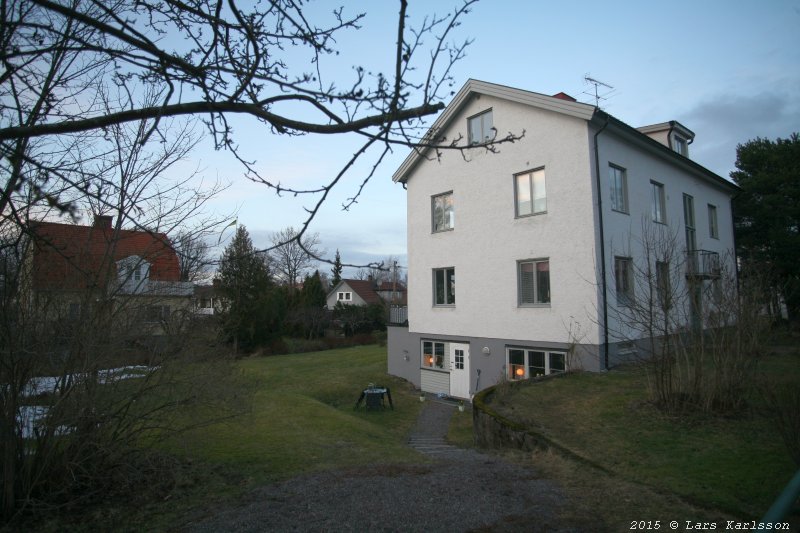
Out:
{"x": 602, "y": 242}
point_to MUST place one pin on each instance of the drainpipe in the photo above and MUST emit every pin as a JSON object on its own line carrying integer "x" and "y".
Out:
{"x": 669, "y": 135}
{"x": 602, "y": 243}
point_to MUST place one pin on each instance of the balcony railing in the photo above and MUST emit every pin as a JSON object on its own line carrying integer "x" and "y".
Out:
{"x": 398, "y": 315}
{"x": 703, "y": 264}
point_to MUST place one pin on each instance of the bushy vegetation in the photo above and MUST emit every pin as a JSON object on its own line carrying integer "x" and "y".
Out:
{"x": 85, "y": 399}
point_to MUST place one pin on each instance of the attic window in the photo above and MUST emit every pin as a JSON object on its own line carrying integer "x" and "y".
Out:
{"x": 137, "y": 272}
{"x": 680, "y": 145}
{"x": 481, "y": 129}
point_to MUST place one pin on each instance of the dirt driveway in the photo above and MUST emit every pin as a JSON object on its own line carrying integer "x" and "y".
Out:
{"x": 462, "y": 490}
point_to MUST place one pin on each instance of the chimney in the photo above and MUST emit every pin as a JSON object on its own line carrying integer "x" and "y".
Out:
{"x": 564, "y": 96}
{"x": 103, "y": 221}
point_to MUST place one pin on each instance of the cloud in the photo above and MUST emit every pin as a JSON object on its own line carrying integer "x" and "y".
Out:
{"x": 725, "y": 121}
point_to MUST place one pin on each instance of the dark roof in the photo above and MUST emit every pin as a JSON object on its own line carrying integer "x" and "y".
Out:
{"x": 68, "y": 256}
{"x": 383, "y": 286}
{"x": 368, "y": 290}
{"x": 365, "y": 289}
{"x": 645, "y": 140}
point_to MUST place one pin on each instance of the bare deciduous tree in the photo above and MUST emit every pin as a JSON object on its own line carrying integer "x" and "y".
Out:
{"x": 194, "y": 256}
{"x": 292, "y": 256}
{"x": 60, "y": 448}
{"x": 694, "y": 329}
{"x": 212, "y": 60}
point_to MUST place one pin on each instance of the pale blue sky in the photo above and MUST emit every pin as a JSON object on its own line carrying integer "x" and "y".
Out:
{"x": 728, "y": 70}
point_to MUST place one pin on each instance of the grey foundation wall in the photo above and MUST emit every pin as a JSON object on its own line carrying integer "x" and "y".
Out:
{"x": 487, "y": 356}
{"x": 403, "y": 349}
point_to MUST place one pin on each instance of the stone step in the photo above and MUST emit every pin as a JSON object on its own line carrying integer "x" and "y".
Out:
{"x": 433, "y": 446}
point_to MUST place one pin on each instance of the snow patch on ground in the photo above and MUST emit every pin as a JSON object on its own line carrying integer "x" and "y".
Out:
{"x": 31, "y": 418}
{"x": 51, "y": 384}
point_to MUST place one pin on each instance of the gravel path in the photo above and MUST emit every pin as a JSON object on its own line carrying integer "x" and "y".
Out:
{"x": 464, "y": 490}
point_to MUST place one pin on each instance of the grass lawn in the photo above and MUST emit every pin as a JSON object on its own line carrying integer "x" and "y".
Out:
{"x": 737, "y": 464}
{"x": 303, "y": 419}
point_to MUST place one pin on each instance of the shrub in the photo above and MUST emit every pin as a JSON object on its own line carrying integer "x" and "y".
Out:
{"x": 783, "y": 402}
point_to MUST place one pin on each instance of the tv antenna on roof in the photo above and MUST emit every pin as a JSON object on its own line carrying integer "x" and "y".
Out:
{"x": 597, "y": 84}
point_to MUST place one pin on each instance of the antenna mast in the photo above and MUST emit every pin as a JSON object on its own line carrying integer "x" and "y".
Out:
{"x": 597, "y": 84}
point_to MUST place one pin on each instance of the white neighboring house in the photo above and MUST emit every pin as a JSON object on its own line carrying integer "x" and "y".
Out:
{"x": 364, "y": 292}
{"x": 512, "y": 256}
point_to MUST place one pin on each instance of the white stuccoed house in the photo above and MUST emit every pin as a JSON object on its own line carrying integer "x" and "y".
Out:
{"x": 517, "y": 260}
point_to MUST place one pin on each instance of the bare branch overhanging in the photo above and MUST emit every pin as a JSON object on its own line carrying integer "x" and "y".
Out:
{"x": 210, "y": 60}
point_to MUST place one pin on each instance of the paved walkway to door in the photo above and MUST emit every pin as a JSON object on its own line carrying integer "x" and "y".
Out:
{"x": 460, "y": 490}
{"x": 429, "y": 433}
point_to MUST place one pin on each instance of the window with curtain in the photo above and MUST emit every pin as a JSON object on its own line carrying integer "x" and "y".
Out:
{"x": 534, "y": 282}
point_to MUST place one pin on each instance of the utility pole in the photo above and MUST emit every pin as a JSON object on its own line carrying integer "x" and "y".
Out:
{"x": 394, "y": 282}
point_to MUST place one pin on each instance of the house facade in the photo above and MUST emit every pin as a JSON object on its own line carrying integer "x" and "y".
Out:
{"x": 520, "y": 256}
{"x": 365, "y": 292}
{"x": 134, "y": 274}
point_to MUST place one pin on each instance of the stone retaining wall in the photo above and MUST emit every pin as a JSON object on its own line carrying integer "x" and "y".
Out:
{"x": 492, "y": 430}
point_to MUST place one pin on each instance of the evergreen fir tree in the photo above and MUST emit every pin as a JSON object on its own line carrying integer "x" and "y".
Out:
{"x": 337, "y": 269}
{"x": 256, "y": 310}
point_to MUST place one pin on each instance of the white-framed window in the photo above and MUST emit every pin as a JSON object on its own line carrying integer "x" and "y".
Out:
{"x": 525, "y": 363}
{"x": 663, "y": 284}
{"x": 680, "y": 145}
{"x": 623, "y": 275}
{"x": 434, "y": 355}
{"x": 480, "y": 127}
{"x": 618, "y": 178}
{"x": 442, "y": 212}
{"x": 658, "y": 202}
{"x": 530, "y": 193}
{"x": 137, "y": 272}
{"x": 713, "y": 228}
{"x": 444, "y": 286}
{"x": 688, "y": 218}
{"x": 533, "y": 282}
{"x": 344, "y": 296}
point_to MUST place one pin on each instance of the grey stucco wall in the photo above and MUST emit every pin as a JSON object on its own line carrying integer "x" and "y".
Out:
{"x": 403, "y": 354}
{"x": 485, "y": 369}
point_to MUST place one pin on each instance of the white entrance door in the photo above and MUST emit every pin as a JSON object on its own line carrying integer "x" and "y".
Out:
{"x": 459, "y": 370}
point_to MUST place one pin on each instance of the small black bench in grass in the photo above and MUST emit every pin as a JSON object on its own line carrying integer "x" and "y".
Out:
{"x": 374, "y": 397}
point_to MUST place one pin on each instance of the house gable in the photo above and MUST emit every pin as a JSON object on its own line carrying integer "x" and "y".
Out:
{"x": 476, "y": 88}
{"x": 362, "y": 292}
{"x": 73, "y": 257}
{"x": 647, "y": 137}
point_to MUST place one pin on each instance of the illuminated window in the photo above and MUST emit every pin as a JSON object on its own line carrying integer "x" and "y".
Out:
{"x": 526, "y": 363}
{"x": 433, "y": 355}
